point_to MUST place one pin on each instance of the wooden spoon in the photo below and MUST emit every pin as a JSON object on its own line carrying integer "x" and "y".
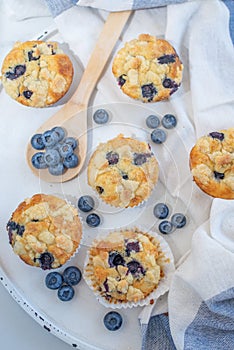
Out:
{"x": 73, "y": 115}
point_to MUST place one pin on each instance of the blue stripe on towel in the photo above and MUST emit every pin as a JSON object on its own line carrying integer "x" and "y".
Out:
{"x": 154, "y": 3}
{"x": 58, "y": 6}
{"x": 230, "y": 5}
{"x": 213, "y": 326}
{"x": 157, "y": 335}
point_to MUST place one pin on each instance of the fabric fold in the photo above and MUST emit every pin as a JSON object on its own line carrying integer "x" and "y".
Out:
{"x": 201, "y": 295}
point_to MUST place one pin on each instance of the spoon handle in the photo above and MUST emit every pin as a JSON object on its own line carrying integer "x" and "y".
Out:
{"x": 104, "y": 46}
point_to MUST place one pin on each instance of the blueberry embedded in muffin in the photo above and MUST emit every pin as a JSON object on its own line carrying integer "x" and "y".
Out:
{"x": 123, "y": 171}
{"x": 36, "y": 73}
{"x": 148, "y": 69}
{"x": 212, "y": 163}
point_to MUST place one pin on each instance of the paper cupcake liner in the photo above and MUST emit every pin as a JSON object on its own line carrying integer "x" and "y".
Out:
{"x": 167, "y": 264}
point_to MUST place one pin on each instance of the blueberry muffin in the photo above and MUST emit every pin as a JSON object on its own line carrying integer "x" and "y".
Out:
{"x": 148, "y": 69}
{"x": 44, "y": 231}
{"x": 123, "y": 171}
{"x": 212, "y": 163}
{"x": 36, "y": 73}
{"x": 125, "y": 266}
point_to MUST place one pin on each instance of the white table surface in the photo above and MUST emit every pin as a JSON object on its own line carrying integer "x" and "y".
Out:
{"x": 17, "y": 329}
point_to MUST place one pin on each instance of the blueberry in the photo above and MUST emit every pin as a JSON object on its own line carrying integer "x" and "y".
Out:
{"x": 149, "y": 91}
{"x": 135, "y": 268}
{"x": 158, "y": 136}
{"x": 218, "y": 176}
{"x": 113, "y": 321}
{"x": 10, "y": 236}
{"x": 46, "y": 259}
{"x": 50, "y": 138}
{"x": 71, "y": 141}
{"x": 115, "y": 259}
{"x": 112, "y": 158}
{"x": 105, "y": 284}
{"x": 13, "y": 226}
{"x": 178, "y": 220}
{"x": 18, "y": 71}
{"x": 168, "y": 83}
{"x": 152, "y": 121}
{"x": 93, "y": 220}
{"x": 71, "y": 161}
{"x": 122, "y": 79}
{"x": 132, "y": 247}
{"x": 60, "y": 132}
{"x": 72, "y": 275}
{"x": 169, "y": 121}
{"x": 52, "y": 157}
{"x": 174, "y": 89}
{"x": 86, "y": 203}
{"x": 54, "y": 280}
{"x": 99, "y": 189}
{"x": 166, "y": 59}
{"x": 37, "y": 142}
{"x": 125, "y": 176}
{"x": 65, "y": 150}
{"x": 10, "y": 75}
{"x": 66, "y": 293}
{"x": 57, "y": 169}
{"x": 38, "y": 161}
{"x": 27, "y": 94}
{"x": 20, "y": 230}
{"x": 31, "y": 57}
{"x": 140, "y": 158}
{"x": 161, "y": 211}
{"x": 166, "y": 227}
{"x": 217, "y": 135}
{"x": 101, "y": 116}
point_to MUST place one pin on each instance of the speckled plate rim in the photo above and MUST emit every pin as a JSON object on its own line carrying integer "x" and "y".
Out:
{"x": 41, "y": 318}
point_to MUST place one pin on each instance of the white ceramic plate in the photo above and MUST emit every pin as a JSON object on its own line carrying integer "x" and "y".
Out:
{"x": 80, "y": 321}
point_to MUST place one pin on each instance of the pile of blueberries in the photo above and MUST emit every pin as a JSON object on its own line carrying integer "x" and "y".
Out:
{"x": 86, "y": 204}
{"x": 58, "y": 150}
{"x": 64, "y": 282}
{"x": 158, "y": 135}
{"x": 178, "y": 220}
